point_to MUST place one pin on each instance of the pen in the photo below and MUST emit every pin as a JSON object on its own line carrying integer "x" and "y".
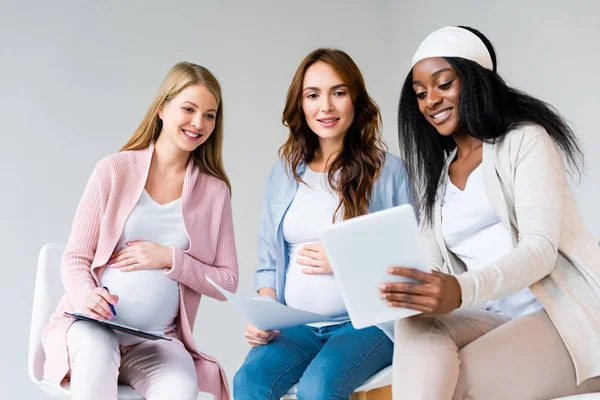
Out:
{"x": 110, "y": 305}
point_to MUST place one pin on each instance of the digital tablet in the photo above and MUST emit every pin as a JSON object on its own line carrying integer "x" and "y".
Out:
{"x": 361, "y": 249}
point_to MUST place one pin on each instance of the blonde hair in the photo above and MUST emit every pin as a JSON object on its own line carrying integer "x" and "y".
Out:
{"x": 208, "y": 157}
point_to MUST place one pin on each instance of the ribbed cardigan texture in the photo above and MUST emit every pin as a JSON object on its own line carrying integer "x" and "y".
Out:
{"x": 554, "y": 254}
{"x": 112, "y": 192}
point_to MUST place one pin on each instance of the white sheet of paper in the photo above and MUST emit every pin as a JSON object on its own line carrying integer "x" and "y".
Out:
{"x": 267, "y": 314}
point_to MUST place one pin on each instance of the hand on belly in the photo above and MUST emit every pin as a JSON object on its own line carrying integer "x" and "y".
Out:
{"x": 141, "y": 255}
{"x": 314, "y": 257}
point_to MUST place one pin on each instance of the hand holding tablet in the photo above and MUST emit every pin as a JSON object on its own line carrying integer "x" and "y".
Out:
{"x": 361, "y": 251}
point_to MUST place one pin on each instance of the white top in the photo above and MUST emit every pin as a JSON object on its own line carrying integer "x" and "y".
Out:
{"x": 148, "y": 300}
{"x": 475, "y": 234}
{"x": 309, "y": 213}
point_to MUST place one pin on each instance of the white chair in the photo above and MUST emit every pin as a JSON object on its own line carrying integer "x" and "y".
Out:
{"x": 48, "y": 290}
{"x": 380, "y": 380}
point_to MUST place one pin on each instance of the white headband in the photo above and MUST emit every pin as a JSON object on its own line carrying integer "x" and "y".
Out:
{"x": 452, "y": 41}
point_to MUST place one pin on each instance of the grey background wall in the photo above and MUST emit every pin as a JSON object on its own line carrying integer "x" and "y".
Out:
{"x": 77, "y": 76}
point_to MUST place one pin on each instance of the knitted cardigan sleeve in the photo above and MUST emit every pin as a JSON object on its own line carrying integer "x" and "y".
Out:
{"x": 539, "y": 179}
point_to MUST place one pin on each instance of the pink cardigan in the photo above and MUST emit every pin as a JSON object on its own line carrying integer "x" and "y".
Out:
{"x": 111, "y": 194}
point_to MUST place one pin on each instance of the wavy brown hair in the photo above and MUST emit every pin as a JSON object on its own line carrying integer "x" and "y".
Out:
{"x": 208, "y": 157}
{"x": 363, "y": 153}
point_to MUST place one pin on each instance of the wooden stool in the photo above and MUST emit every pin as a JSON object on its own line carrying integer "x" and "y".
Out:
{"x": 378, "y": 387}
{"x": 383, "y": 393}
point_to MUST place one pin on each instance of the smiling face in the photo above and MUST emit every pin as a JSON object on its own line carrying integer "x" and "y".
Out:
{"x": 189, "y": 117}
{"x": 326, "y": 102}
{"x": 438, "y": 88}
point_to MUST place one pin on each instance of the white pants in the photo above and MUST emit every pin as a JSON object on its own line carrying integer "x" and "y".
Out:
{"x": 156, "y": 369}
{"x": 476, "y": 354}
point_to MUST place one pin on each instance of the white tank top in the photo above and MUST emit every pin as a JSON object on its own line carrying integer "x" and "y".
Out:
{"x": 475, "y": 234}
{"x": 310, "y": 212}
{"x": 148, "y": 300}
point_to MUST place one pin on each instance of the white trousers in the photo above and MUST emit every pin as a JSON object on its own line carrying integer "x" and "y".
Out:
{"x": 473, "y": 354}
{"x": 158, "y": 370}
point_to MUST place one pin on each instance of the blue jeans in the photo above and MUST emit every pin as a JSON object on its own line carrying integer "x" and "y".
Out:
{"x": 328, "y": 363}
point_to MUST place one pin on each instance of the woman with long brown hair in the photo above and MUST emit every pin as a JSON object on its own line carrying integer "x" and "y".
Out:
{"x": 154, "y": 221}
{"x": 333, "y": 167}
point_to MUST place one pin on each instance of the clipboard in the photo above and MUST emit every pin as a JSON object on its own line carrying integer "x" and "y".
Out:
{"x": 119, "y": 327}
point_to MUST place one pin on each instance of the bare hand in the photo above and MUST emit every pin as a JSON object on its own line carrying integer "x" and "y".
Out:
{"x": 317, "y": 259}
{"x": 435, "y": 293}
{"x": 96, "y": 304}
{"x": 255, "y": 337}
{"x": 141, "y": 255}
{"x": 267, "y": 291}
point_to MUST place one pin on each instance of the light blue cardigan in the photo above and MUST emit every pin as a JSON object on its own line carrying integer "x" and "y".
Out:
{"x": 391, "y": 189}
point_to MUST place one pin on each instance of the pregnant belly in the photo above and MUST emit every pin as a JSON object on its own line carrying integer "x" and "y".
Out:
{"x": 148, "y": 300}
{"x": 314, "y": 293}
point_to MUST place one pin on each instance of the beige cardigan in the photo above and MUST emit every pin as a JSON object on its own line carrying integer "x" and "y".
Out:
{"x": 554, "y": 253}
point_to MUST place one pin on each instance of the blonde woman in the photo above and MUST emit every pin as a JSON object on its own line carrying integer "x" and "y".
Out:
{"x": 154, "y": 221}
